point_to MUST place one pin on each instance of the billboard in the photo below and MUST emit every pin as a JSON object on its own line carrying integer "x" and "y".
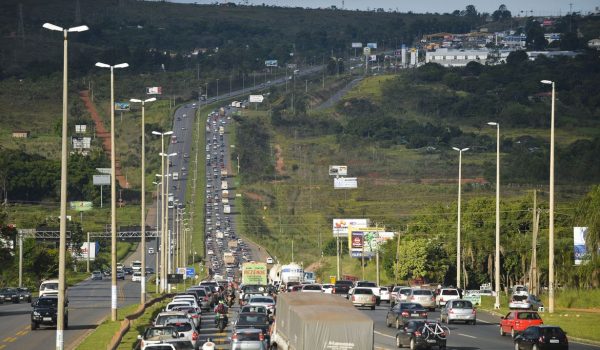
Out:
{"x": 81, "y": 129}
{"x": 372, "y": 57}
{"x": 154, "y": 90}
{"x": 81, "y": 206}
{"x": 254, "y": 273}
{"x": 341, "y": 170}
{"x": 82, "y": 142}
{"x": 83, "y": 251}
{"x": 122, "y": 106}
{"x": 357, "y": 45}
{"x": 340, "y": 226}
{"x": 581, "y": 254}
{"x": 271, "y": 63}
{"x": 101, "y": 180}
{"x": 256, "y": 98}
{"x": 345, "y": 182}
{"x": 367, "y": 51}
{"x": 372, "y": 45}
{"x": 103, "y": 170}
{"x": 365, "y": 241}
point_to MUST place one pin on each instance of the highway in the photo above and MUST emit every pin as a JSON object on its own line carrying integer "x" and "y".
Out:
{"x": 485, "y": 335}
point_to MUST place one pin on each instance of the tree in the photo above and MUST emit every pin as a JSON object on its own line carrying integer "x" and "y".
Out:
{"x": 517, "y": 57}
{"x": 501, "y": 14}
{"x": 412, "y": 261}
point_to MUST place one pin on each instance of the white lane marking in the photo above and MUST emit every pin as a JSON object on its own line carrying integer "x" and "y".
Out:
{"x": 482, "y": 321}
{"x": 466, "y": 335}
{"x": 385, "y": 335}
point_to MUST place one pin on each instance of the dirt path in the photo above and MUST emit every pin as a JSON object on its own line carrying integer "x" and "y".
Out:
{"x": 279, "y": 164}
{"x": 103, "y": 134}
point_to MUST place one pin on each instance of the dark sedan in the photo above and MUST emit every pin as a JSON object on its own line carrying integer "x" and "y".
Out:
{"x": 253, "y": 320}
{"x": 400, "y": 313}
{"x": 10, "y": 295}
{"x": 420, "y": 334}
{"x": 24, "y": 294}
{"x": 542, "y": 338}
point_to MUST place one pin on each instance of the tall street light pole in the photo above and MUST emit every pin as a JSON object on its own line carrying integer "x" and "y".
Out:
{"x": 167, "y": 241}
{"x": 63, "y": 189}
{"x": 497, "y": 259}
{"x": 460, "y": 151}
{"x": 163, "y": 275}
{"x": 143, "y": 219}
{"x": 551, "y": 219}
{"x": 157, "y": 183}
{"x": 113, "y": 189}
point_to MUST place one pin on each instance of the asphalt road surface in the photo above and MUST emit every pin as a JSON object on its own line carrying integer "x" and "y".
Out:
{"x": 485, "y": 335}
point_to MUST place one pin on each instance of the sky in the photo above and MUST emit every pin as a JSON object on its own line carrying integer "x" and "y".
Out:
{"x": 539, "y": 7}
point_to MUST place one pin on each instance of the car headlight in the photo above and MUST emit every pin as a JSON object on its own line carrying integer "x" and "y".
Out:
{"x": 35, "y": 313}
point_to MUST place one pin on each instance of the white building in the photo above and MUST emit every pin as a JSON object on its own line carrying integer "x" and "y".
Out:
{"x": 456, "y": 58}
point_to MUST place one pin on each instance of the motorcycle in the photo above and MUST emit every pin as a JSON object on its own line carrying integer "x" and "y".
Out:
{"x": 221, "y": 321}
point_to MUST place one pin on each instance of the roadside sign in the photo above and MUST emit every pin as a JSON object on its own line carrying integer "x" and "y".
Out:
{"x": 473, "y": 298}
{"x": 256, "y": 98}
{"x": 366, "y": 50}
{"x": 332, "y": 279}
{"x": 122, "y": 106}
{"x": 81, "y": 206}
{"x": 103, "y": 170}
{"x": 101, "y": 180}
{"x": 174, "y": 278}
{"x": 345, "y": 182}
{"x": 340, "y": 170}
{"x": 190, "y": 272}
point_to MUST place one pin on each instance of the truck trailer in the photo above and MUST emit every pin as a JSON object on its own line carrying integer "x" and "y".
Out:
{"x": 307, "y": 321}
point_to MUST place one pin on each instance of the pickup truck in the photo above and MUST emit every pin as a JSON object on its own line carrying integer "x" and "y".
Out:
{"x": 373, "y": 286}
{"x": 45, "y": 312}
{"x": 342, "y": 287}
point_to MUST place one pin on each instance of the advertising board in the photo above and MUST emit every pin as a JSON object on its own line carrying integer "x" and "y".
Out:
{"x": 341, "y": 170}
{"x": 356, "y": 45}
{"x": 254, "y": 273}
{"x": 122, "y": 106}
{"x": 364, "y": 241}
{"x": 81, "y": 128}
{"x": 81, "y": 205}
{"x": 271, "y": 63}
{"x": 579, "y": 247}
{"x": 83, "y": 251}
{"x": 154, "y": 90}
{"x": 82, "y": 142}
{"x": 372, "y": 45}
{"x": 101, "y": 180}
{"x": 256, "y": 98}
{"x": 345, "y": 182}
{"x": 340, "y": 226}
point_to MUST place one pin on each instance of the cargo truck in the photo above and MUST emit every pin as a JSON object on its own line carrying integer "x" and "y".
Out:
{"x": 225, "y": 194}
{"x": 223, "y": 173}
{"x": 254, "y": 273}
{"x": 228, "y": 259}
{"x": 232, "y": 244}
{"x": 226, "y": 209}
{"x": 221, "y": 130}
{"x": 307, "y": 321}
{"x": 224, "y": 185}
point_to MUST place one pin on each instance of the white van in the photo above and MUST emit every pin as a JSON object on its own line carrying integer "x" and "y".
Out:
{"x": 49, "y": 287}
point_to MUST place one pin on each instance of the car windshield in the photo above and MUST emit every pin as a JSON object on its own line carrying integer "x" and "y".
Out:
{"x": 422, "y": 292}
{"x": 462, "y": 304}
{"x": 47, "y": 302}
{"x": 156, "y": 332}
{"x": 519, "y": 297}
{"x": 411, "y": 306}
{"x": 248, "y": 336}
{"x": 261, "y": 300}
{"x": 405, "y": 291}
{"x": 528, "y": 316}
{"x": 253, "y": 308}
{"x": 366, "y": 284}
{"x": 449, "y": 292}
{"x": 363, "y": 291}
{"x": 552, "y": 332}
{"x": 49, "y": 286}
{"x": 181, "y": 326}
{"x": 312, "y": 288}
{"x": 252, "y": 319}
{"x": 164, "y": 319}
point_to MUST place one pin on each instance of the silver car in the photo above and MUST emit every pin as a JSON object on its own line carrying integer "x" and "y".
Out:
{"x": 525, "y": 301}
{"x": 424, "y": 297}
{"x": 248, "y": 339}
{"x": 458, "y": 310}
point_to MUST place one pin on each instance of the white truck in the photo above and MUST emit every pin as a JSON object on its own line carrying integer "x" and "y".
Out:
{"x": 302, "y": 316}
{"x": 291, "y": 272}
{"x": 175, "y": 176}
{"x": 226, "y": 209}
{"x": 225, "y": 194}
{"x": 223, "y": 173}
{"x": 221, "y": 130}
{"x": 224, "y": 185}
{"x": 228, "y": 259}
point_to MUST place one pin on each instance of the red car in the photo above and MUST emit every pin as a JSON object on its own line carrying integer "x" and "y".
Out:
{"x": 517, "y": 321}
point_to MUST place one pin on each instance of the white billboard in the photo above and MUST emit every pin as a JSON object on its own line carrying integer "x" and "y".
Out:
{"x": 256, "y": 98}
{"x": 81, "y": 129}
{"x": 82, "y": 142}
{"x": 83, "y": 254}
{"x": 340, "y": 226}
{"x": 101, "y": 180}
{"x": 341, "y": 170}
{"x": 345, "y": 182}
{"x": 372, "y": 58}
{"x": 581, "y": 255}
{"x": 357, "y": 45}
{"x": 372, "y": 45}
{"x": 154, "y": 90}
{"x": 271, "y": 63}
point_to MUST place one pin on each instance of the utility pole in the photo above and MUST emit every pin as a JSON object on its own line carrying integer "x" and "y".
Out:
{"x": 397, "y": 257}
{"x": 536, "y": 221}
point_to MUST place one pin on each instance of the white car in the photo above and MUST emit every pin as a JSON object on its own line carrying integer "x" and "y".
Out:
{"x": 136, "y": 277}
{"x": 445, "y": 295}
{"x": 312, "y": 288}
{"x": 173, "y": 304}
{"x": 150, "y": 250}
{"x": 327, "y": 288}
{"x": 384, "y": 294}
{"x": 269, "y": 260}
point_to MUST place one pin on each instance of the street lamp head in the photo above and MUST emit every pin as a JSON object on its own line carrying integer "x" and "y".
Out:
{"x": 151, "y": 99}
{"x": 78, "y": 29}
{"x": 102, "y": 65}
{"x": 464, "y": 149}
{"x": 121, "y": 65}
{"x": 549, "y": 82}
{"x": 168, "y": 133}
{"x": 156, "y": 133}
{"x": 135, "y": 100}
{"x": 456, "y": 149}
{"x": 493, "y": 123}
{"x": 51, "y": 26}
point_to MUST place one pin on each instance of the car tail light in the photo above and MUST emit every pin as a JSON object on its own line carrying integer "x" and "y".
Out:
{"x": 353, "y": 298}
{"x": 195, "y": 316}
{"x": 541, "y": 339}
{"x": 417, "y": 333}
{"x": 333, "y": 291}
{"x": 205, "y": 298}
{"x": 194, "y": 336}
{"x": 405, "y": 313}
{"x": 450, "y": 311}
{"x": 373, "y": 299}
{"x": 234, "y": 336}
{"x": 432, "y": 298}
{"x": 424, "y": 314}
{"x": 261, "y": 337}
{"x": 474, "y": 311}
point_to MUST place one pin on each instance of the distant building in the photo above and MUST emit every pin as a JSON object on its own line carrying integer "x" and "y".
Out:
{"x": 20, "y": 134}
{"x": 456, "y": 58}
{"x": 534, "y": 54}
